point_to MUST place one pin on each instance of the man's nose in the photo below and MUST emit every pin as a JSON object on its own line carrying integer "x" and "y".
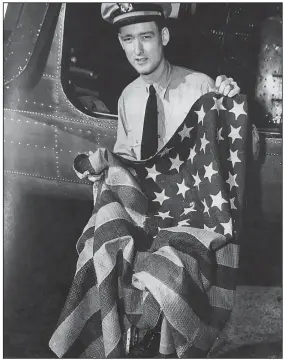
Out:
{"x": 138, "y": 47}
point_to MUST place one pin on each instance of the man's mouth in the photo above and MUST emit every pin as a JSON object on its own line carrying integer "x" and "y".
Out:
{"x": 141, "y": 61}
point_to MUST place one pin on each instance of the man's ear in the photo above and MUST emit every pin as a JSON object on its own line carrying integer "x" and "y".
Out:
{"x": 165, "y": 36}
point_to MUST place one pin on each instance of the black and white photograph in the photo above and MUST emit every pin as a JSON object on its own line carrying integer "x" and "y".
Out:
{"x": 142, "y": 180}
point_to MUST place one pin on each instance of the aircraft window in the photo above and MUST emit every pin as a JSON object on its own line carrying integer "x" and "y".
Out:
{"x": 213, "y": 38}
{"x": 95, "y": 69}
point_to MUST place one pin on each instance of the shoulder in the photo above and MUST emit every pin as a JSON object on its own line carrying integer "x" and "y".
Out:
{"x": 191, "y": 78}
{"x": 132, "y": 90}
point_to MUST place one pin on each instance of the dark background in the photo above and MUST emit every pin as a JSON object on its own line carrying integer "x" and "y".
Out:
{"x": 219, "y": 38}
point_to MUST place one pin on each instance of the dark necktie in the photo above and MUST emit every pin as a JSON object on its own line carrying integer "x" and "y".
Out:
{"x": 149, "y": 143}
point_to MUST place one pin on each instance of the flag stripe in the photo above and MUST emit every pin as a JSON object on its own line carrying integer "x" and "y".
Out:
{"x": 79, "y": 316}
{"x": 117, "y": 228}
{"x": 220, "y": 297}
{"x": 183, "y": 318}
{"x": 88, "y": 234}
{"x": 209, "y": 239}
{"x": 111, "y": 330}
{"x": 163, "y": 238}
{"x": 86, "y": 254}
{"x": 91, "y": 332}
{"x": 228, "y": 256}
{"x": 95, "y": 348}
{"x": 83, "y": 281}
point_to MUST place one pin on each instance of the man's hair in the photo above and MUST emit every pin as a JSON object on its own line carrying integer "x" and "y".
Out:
{"x": 160, "y": 22}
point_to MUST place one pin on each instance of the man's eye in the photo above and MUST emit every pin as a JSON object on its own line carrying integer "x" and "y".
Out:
{"x": 127, "y": 39}
{"x": 147, "y": 37}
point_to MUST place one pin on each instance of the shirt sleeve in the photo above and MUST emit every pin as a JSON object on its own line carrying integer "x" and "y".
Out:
{"x": 122, "y": 146}
{"x": 208, "y": 85}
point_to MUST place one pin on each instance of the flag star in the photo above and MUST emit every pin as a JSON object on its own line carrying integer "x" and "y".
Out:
{"x": 192, "y": 154}
{"x": 204, "y": 142}
{"x": 161, "y": 197}
{"x": 165, "y": 151}
{"x": 182, "y": 188}
{"x": 208, "y": 228}
{"x": 152, "y": 173}
{"x": 183, "y": 223}
{"x": 238, "y": 109}
{"x": 217, "y": 200}
{"x": 209, "y": 172}
{"x": 197, "y": 180}
{"x": 185, "y": 132}
{"x": 232, "y": 181}
{"x": 234, "y": 157}
{"x": 219, "y": 136}
{"x": 206, "y": 208}
{"x": 164, "y": 215}
{"x": 218, "y": 104}
{"x": 201, "y": 114}
{"x": 189, "y": 209}
{"x": 232, "y": 203}
{"x": 176, "y": 163}
{"x": 234, "y": 134}
{"x": 227, "y": 227}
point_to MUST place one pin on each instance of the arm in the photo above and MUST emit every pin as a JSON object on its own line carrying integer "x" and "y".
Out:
{"x": 122, "y": 146}
{"x": 222, "y": 85}
{"x": 226, "y": 86}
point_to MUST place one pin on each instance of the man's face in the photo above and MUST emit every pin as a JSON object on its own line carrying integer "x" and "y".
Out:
{"x": 143, "y": 45}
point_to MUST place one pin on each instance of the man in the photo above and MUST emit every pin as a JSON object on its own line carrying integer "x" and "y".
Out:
{"x": 150, "y": 110}
{"x": 153, "y": 106}
{"x": 143, "y": 36}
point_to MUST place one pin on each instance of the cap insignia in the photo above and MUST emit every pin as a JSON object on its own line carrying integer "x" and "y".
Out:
{"x": 125, "y": 7}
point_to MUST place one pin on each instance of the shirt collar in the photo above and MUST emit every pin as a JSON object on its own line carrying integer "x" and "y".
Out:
{"x": 162, "y": 83}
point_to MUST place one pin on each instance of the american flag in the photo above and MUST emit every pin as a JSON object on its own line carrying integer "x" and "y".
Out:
{"x": 163, "y": 238}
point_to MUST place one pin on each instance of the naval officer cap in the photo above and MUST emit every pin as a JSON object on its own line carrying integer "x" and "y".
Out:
{"x": 129, "y": 13}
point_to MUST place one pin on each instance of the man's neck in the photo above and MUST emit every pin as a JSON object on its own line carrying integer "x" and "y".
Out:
{"x": 156, "y": 74}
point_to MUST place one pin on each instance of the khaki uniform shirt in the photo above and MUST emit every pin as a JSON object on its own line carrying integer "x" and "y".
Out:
{"x": 177, "y": 89}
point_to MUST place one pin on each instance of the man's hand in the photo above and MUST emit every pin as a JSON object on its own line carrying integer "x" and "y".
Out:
{"x": 226, "y": 86}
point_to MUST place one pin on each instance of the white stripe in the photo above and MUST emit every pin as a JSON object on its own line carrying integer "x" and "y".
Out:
{"x": 191, "y": 265}
{"x": 137, "y": 218}
{"x": 168, "y": 252}
{"x": 228, "y": 256}
{"x": 68, "y": 331}
{"x": 86, "y": 254}
{"x": 114, "y": 211}
{"x": 111, "y": 211}
{"x": 111, "y": 330}
{"x": 207, "y": 238}
{"x": 119, "y": 176}
{"x": 176, "y": 310}
{"x": 105, "y": 258}
{"x": 220, "y": 297}
{"x": 128, "y": 252}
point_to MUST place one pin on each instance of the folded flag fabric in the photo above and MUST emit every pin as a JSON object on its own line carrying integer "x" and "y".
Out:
{"x": 163, "y": 238}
